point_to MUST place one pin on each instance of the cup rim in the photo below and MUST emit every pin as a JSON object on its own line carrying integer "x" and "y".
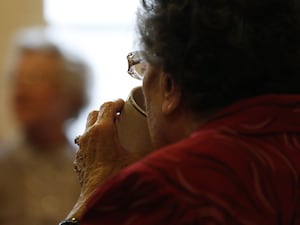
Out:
{"x": 135, "y": 105}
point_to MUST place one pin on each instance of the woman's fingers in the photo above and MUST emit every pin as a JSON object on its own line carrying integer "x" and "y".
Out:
{"x": 92, "y": 117}
{"x": 98, "y": 145}
{"x": 109, "y": 110}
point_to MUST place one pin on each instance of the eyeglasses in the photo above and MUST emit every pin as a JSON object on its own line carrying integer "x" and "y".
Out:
{"x": 136, "y": 65}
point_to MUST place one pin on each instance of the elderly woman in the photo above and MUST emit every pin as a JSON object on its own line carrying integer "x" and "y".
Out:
{"x": 222, "y": 94}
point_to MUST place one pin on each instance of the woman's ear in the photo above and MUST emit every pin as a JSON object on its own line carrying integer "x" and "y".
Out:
{"x": 171, "y": 94}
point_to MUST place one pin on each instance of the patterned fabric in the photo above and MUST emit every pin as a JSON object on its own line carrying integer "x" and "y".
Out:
{"x": 240, "y": 168}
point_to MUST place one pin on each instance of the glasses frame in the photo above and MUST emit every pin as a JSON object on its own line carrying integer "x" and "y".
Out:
{"x": 134, "y": 58}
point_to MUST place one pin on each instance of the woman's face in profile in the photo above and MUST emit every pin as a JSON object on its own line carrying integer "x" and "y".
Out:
{"x": 153, "y": 101}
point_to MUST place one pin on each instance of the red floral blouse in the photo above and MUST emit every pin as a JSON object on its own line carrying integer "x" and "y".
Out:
{"x": 241, "y": 167}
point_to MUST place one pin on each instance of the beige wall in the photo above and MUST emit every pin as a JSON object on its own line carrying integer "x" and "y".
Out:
{"x": 14, "y": 14}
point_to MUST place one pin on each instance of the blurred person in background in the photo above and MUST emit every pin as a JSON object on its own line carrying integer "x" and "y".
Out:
{"x": 49, "y": 88}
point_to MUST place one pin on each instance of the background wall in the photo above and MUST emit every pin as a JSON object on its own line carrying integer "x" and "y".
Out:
{"x": 14, "y": 14}
{"x": 99, "y": 32}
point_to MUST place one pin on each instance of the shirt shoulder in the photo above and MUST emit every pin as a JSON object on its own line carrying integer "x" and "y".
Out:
{"x": 214, "y": 176}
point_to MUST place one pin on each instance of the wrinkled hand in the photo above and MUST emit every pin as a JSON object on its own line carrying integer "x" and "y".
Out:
{"x": 100, "y": 154}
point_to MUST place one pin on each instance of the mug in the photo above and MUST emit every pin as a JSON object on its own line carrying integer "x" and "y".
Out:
{"x": 132, "y": 124}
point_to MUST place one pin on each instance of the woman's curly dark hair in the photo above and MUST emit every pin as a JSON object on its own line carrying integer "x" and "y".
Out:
{"x": 221, "y": 51}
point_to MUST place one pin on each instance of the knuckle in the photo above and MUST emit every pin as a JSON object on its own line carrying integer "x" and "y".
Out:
{"x": 106, "y": 105}
{"x": 93, "y": 114}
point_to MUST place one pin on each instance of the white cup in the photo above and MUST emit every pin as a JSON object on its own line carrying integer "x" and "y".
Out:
{"x": 132, "y": 124}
